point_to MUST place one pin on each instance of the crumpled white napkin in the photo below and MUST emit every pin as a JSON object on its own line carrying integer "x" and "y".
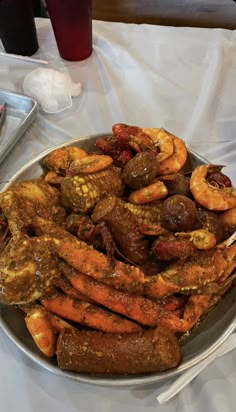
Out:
{"x": 51, "y": 88}
{"x": 186, "y": 377}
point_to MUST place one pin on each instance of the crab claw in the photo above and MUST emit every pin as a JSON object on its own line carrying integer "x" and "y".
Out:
{"x": 27, "y": 269}
{"x": 202, "y": 268}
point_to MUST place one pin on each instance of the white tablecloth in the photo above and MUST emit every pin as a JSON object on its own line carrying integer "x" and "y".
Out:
{"x": 182, "y": 79}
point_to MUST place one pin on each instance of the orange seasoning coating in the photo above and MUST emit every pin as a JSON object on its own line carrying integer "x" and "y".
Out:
{"x": 139, "y": 308}
{"x": 154, "y": 350}
{"x": 97, "y": 265}
{"x": 88, "y": 314}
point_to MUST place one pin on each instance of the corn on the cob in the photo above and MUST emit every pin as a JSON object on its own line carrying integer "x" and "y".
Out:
{"x": 146, "y": 214}
{"x": 82, "y": 192}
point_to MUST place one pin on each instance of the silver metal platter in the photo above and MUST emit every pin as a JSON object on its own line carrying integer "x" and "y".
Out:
{"x": 200, "y": 343}
{"x": 21, "y": 110}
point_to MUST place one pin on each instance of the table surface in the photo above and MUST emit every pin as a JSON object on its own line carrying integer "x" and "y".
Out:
{"x": 182, "y": 79}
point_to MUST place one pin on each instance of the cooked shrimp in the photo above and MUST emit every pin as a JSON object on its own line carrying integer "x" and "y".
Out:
{"x": 39, "y": 325}
{"x": 207, "y": 195}
{"x": 177, "y": 160}
{"x": 60, "y": 159}
{"x": 52, "y": 178}
{"x": 43, "y": 327}
{"x": 202, "y": 239}
{"x": 89, "y": 164}
{"x": 154, "y": 191}
{"x": 151, "y": 229}
{"x": 162, "y": 140}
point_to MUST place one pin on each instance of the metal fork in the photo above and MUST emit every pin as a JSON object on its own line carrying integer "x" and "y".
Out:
{"x": 3, "y": 114}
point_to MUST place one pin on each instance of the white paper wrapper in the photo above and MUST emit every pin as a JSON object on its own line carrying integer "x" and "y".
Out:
{"x": 51, "y": 88}
{"x": 186, "y": 377}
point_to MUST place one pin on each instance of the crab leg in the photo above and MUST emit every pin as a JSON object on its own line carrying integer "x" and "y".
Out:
{"x": 173, "y": 303}
{"x": 138, "y": 308}
{"x": 202, "y": 268}
{"x": 97, "y": 265}
{"x": 65, "y": 286}
{"x": 87, "y": 314}
{"x": 87, "y": 260}
{"x": 195, "y": 308}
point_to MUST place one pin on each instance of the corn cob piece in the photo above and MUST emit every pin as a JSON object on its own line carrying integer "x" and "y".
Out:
{"x": 81, "y": 193}
{"x": 146, "y": 214}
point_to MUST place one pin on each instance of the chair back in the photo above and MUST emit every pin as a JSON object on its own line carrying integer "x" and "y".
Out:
{"x": 194, "y": 13}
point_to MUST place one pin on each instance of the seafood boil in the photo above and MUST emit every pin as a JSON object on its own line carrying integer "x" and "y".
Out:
{"x": 112, "y": 256}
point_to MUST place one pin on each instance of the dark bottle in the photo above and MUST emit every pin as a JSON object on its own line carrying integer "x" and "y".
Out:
{"x": 17, "y": 27}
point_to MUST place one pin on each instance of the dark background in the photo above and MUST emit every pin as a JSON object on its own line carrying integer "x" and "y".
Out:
{"x": 193, "y": 13}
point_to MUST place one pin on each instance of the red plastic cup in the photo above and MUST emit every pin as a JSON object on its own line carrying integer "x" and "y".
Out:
{"x": 72, "y": 26}
{"x": 17, "y": 27}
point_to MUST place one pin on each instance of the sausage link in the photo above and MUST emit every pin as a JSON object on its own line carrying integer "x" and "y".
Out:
{"x": 124, "y": 228}
{"x": 154, "y": 350}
